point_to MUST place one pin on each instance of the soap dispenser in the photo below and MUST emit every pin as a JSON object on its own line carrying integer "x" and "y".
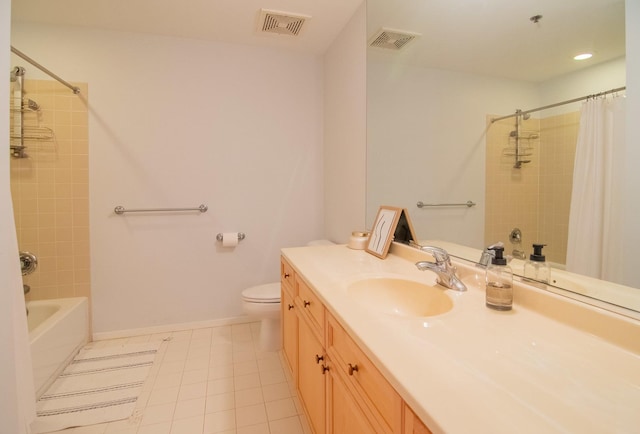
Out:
{"x": 536, "y": 268}
{"x": 499, "y": 282}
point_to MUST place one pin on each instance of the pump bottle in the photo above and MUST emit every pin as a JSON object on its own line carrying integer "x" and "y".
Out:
{"x": 536, "y": 268}
{"x": 499, "y": 282}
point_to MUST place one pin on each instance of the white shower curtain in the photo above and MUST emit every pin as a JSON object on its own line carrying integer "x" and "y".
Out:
{"x": 594, "y": 222}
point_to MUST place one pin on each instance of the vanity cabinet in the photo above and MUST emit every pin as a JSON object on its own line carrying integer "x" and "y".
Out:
{"x": 340, "y": 388}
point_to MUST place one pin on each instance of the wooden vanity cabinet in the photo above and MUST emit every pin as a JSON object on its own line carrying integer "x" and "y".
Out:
{"x": 341, "y": 390}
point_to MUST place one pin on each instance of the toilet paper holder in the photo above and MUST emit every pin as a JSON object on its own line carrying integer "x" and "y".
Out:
{"x": 241, "y": 236}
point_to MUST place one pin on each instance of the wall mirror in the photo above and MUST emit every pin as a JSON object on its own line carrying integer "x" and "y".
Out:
{"x": 439, "y": 71}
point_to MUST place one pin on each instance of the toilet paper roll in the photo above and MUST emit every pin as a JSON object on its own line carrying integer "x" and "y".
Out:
{"x": 229, "y": 239}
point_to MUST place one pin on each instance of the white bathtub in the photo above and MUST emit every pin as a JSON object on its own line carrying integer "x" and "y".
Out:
{"x": 58, "y": 328}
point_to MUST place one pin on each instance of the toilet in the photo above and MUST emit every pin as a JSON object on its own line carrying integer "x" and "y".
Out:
{"x": 263, "y": 302}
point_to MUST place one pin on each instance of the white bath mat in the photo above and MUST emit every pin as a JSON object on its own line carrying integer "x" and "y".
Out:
{"x": 99, "y": 385}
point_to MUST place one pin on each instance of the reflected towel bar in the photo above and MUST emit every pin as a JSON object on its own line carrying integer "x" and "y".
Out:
{"x": 121, "y": 210}
{"x": 468, "y": 204}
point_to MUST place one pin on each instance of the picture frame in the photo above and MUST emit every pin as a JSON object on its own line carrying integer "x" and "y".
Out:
{"x": 382, "y": 232}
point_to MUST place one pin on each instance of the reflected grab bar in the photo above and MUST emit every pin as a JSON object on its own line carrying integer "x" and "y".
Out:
{"x": 121, "y": 210}
{"x": 468, "y": 204}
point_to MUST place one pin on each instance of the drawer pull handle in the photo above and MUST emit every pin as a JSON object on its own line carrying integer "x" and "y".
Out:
{"x": 306, "y": 303}
{"x": 318, "y": 358}
{"x": 286, "y": 275}
{"x": 289, "y": 306}
{"x": 352, "y": 369}
{"x": 324, "y": 368}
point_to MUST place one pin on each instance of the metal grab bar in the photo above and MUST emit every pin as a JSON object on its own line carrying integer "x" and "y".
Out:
{"x": 468, "y": 204}
{"x": 121, "y": 210}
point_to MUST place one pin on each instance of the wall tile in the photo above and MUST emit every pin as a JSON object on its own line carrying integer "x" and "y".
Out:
{"x": 50, "y": 192}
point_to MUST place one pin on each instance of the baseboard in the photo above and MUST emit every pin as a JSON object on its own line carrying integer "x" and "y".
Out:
{"x": 118, "y": 334}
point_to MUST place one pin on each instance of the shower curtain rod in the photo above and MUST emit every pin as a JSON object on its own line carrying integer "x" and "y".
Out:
{"x": 19, "y": 53}
{"x": 569, "y": 101}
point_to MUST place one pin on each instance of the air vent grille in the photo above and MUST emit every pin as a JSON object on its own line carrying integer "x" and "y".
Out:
{"x": 282, "y": 23}
{"x": 392, "y": 39}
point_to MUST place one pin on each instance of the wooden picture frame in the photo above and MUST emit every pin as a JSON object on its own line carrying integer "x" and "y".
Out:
{"x": 391, "y": 224}
{"x": 382, "y": 231}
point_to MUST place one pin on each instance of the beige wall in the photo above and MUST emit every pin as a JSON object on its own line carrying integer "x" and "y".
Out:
{"x": 536, "y": 197}
{"x": 50, "y": 191}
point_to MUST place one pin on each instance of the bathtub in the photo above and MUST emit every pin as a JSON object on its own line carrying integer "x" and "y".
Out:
{"x": 58, "y": 328}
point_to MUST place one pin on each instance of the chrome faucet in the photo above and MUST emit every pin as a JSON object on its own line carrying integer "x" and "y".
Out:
{"x": 446, "y": 272}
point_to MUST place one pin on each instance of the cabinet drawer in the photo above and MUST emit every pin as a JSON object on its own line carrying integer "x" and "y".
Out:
{"x": 308, "y": 302}
{"x": 370, "y": 385}
{"x": 287, "y": 277}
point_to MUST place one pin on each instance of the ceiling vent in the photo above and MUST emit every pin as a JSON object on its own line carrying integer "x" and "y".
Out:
{"x": 282, "y": 23}
{"x": 392, "y": 39}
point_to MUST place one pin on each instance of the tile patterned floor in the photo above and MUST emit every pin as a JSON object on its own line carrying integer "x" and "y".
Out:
{"x": 211, "y": 380}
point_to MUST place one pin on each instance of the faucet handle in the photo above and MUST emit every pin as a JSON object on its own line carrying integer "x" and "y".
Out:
{"x": 439, "y": 254}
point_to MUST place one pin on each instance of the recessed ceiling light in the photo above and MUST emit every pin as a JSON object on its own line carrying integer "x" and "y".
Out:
{"x": 583, "y": 56}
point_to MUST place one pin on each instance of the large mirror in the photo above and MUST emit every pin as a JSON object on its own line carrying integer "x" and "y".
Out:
{"x": 440, "y": 71}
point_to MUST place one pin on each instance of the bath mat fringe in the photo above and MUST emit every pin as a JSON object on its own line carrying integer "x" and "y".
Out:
{"x": 100, "y": 385}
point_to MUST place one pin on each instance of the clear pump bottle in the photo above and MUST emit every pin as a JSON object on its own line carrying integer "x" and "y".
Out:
{"x": 499, "y": 282}
{"x": 536, "y": 268}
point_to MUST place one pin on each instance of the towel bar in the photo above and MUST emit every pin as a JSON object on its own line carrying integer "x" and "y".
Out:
{"x": 121, "y": 210}
{"x": 468, "y": 204}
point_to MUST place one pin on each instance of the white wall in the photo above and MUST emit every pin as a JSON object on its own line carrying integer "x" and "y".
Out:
{"x": 598, "y": 78}
{"x": 345, "y": 142}
{"x": 426, "y": 137}
{"x": 632, "y": 173}
{"x": 178, "y": 122}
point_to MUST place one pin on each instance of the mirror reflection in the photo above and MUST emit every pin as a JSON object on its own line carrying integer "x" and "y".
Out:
{"x": 440, "y": 73}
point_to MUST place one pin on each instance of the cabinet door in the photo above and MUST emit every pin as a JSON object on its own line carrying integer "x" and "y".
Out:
{"x": 287, "y": 276}
{"x": 311, "y": 379}
{"x": 289, "y": 333}
{"x": 345, "y": 416}
{"x": 370, "y": 387}
{"x": 413, "y": 425}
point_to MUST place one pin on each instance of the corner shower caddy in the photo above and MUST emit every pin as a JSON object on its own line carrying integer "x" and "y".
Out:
{"x": 25, "y": 112}
{"x": 25, "y": 118}
{"x": 521, "y": 142}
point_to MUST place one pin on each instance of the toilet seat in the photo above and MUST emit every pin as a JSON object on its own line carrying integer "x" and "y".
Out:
{"x": 269, "y": 293}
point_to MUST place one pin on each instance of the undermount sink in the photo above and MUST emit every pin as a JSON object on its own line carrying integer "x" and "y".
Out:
{"x": 401, "y": 297}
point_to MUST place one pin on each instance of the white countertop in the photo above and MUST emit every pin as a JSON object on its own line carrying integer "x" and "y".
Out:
{"x": 474, "y": 369}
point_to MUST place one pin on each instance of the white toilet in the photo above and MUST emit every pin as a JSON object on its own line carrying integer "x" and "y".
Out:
{"x": 263, "y": 302}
